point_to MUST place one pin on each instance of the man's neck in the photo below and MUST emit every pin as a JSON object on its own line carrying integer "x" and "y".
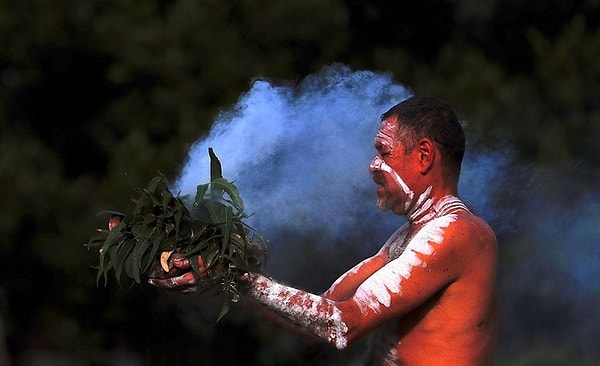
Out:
{"x": 428, "y": 205}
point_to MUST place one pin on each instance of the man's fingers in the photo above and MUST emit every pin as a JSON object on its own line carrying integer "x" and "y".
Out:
{"x": 201, "y": 265}
{"x": 180, "y": 262}
{"x": 188, "y": 282}
{"x": 184, "y": 280}
{"x": 187, "y": 290}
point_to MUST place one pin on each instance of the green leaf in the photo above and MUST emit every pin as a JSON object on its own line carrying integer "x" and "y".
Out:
{"x": 215, "y": 165}
{"x": 103, "y": 271}
{"x": 209, "y": 259}
{"x": 215, "y": 212}
{"x": 201, "y": 193}
{"x": 194, "y": 263}
{"x": 155, "y": 183}
{"x": 178, "y": 216}
{"x": 224, "y": 310}
{"x": 232, "y": 192}
{"x": 113, "y": 213}
{"x": 98, "y": 240}
{"x": 226, "y": 228}
{"x": 138, "y": 253}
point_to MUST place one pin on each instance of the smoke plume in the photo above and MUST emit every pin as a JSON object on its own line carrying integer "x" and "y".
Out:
{"x": 300, "y": 155}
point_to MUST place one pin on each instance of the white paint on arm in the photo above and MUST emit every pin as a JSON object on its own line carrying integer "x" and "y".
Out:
{"x": 313, "y": 313}
{"x": 395, "y": 239}
{"x": 350, "y": 273}
{"x": 376, "y": 293}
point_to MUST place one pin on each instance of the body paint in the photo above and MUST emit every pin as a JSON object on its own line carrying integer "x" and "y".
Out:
{"x": 397, "y": 236}
{"x": 424, "y": 201}
{"x": 423, "y": 204}
{"x": 354, "y": 270}
{"x": 377, "y": 291}
{"x": 383, "y": 345}
{"x": 379, "y": 165}
{"x": 321, "y": 317}
{"x": 313, "y": 313}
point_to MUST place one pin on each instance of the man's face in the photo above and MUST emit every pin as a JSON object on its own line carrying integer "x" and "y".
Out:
{"x": 391, "y": 169}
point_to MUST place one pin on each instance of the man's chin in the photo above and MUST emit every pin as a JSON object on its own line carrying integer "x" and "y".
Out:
{"x": 383, "y": 206}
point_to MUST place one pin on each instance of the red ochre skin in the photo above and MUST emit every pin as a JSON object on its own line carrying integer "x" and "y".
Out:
{"x": 427, "y": 297}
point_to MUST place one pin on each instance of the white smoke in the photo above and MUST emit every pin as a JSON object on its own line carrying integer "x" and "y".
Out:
{"x": 300, "y": 155}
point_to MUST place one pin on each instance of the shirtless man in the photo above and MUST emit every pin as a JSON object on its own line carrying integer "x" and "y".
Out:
{"x": 428, "y": 296}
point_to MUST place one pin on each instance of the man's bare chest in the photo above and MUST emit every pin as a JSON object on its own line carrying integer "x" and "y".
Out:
{"x": 400, "y": 241}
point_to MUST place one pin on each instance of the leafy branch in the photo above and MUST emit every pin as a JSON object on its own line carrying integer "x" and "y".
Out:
{"x": 212, "y": 226}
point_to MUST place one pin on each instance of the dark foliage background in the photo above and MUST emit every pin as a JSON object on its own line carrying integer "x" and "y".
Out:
{"x": 96, "y": 96}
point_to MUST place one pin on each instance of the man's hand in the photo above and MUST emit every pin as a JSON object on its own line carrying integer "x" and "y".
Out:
{"x": 187, "y": 282}
{"x": 180, "y": 278}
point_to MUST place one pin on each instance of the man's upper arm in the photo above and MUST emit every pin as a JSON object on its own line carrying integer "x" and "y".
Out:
{"x": 345, "y": 286}
{"x": 425, "y": 267}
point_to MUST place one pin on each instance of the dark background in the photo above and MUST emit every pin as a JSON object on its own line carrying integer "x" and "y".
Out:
{"x": 96, "y": 96}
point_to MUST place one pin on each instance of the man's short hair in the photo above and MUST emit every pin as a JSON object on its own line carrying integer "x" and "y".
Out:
{"x": 430, "y": 117}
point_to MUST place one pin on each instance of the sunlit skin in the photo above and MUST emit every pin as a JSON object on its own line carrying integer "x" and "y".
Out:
{"x": 427, "y": 297}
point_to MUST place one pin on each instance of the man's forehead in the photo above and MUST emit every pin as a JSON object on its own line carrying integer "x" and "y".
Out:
{"x": 388, "y": 129}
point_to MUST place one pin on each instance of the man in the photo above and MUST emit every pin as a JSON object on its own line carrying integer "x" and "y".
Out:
{"x": 428, "y": 296}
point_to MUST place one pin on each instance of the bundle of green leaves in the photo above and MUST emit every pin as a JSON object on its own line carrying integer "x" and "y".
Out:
{"x": 211, "y": 226}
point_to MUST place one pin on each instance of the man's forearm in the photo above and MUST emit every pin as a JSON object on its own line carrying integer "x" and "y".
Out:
{"x": 312, "y": 313}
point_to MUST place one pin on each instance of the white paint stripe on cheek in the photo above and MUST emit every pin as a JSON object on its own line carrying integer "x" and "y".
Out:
{"x": 383, "y": 166}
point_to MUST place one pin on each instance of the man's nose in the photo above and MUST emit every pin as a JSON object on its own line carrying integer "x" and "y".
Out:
{"x": 375, "y": 165}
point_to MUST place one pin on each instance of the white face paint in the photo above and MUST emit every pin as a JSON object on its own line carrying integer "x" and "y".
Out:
{"x": 385, "y": 142}
{"x": 379, "y": 165}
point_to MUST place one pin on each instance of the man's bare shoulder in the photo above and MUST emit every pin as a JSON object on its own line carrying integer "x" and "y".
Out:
{"x": 474, "y": 252}
{"x": 470, "y": 230}
{"x": 466, "y": 242}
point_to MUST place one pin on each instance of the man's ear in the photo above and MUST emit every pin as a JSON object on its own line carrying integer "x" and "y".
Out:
{"x": 427, "y": 152}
